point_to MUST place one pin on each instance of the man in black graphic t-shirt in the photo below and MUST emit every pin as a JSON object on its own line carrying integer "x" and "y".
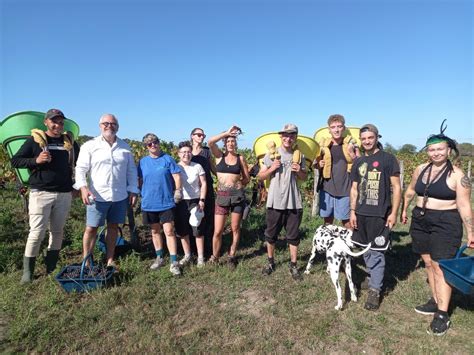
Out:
{"x": 373, "y": 209}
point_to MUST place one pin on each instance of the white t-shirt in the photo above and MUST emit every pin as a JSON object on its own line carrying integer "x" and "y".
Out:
{"x": 190, "y": 180}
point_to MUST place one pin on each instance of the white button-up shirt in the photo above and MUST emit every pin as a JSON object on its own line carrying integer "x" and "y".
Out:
{"x": 111, "y": 170}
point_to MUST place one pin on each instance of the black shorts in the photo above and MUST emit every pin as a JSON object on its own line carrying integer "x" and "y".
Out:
{"x": 277, "y": 219}
{"x": 369, "y": 228}
{"x": 181, "y": 222}
{"x": 150, "y": 217}
{"x": 437, "y": 233}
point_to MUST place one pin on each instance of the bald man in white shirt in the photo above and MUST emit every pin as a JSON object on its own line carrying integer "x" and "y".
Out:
{"x": 106, "y": 176}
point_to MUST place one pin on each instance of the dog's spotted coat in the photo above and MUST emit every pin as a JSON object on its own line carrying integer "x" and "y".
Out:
{"x": 336, "y": 242}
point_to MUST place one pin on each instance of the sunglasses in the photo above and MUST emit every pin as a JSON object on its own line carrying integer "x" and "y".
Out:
{"x": 109, "y": 124}
{"x": 154, "y": 143}
{"x": 199, "y": 134}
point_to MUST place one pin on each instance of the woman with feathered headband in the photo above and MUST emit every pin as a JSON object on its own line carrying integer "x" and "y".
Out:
{"x": 443, "y": 205}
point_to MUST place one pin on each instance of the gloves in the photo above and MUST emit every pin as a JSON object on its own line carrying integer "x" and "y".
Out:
{"x": 178, "y": 196}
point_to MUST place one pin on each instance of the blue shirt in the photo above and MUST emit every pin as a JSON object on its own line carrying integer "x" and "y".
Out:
{"x": 158, "y": 184}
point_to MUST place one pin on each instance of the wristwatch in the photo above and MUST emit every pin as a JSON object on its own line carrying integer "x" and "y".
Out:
{"x": 202, "y": 200}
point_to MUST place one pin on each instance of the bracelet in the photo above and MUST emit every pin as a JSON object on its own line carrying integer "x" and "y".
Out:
{"x": 202, "y": 200}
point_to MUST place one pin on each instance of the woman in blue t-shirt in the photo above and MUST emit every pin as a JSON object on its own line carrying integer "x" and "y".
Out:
{"x": 160, "y": 184}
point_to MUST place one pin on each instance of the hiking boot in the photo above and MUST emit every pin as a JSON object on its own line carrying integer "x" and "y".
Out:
{"x": 159, "y": 262}
{"x": 295, "y": 274}
{"x": 232, "y": 262}
{"x": 439, "y": 325}
{"x": 428, "y": 308}
{"x": 175, "y": 270}
{"x": 373, "y": 300}
{"x": 201, "y": 262}
{"x": 186, "y": 260}
{"x": 28, "y": 269}
{"x": 268, "y": 269}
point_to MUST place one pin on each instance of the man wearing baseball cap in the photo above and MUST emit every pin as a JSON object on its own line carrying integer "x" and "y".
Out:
{"x": 284, "y": 203}
{"x": 50, "y": 156}
{"x": 374, "y": 200}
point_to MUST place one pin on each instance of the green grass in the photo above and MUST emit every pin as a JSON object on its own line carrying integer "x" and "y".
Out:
{"x": 214, "y": 309}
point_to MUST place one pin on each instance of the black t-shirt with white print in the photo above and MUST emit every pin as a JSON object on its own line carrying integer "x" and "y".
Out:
{"x": 372, "y": 173}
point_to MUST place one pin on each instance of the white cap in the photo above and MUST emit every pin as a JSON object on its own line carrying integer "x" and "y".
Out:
{"x": 196, "y": 216}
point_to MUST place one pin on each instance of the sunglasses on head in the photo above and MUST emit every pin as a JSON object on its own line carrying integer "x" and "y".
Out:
{"x": 154, "y": 143}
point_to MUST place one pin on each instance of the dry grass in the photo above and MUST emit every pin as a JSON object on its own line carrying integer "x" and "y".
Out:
{"x": 215, "y": 310}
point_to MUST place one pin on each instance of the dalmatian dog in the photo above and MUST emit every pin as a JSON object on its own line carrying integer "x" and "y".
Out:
{"x": 337, "y": 243}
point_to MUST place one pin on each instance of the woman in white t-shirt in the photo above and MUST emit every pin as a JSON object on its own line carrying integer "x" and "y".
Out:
{"x": 194, "y": 184}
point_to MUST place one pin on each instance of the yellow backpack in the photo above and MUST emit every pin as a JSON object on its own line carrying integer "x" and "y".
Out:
{"x": 325, "y": 145}
{"x": 39, "y": 136}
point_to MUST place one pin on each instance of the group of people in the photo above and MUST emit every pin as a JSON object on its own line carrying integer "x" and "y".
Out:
{"x": 360, "y": 186}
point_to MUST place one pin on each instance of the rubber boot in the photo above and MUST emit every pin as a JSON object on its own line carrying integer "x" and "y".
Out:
{"x": 28, "y": 269}
{"x": 51, "y": 260}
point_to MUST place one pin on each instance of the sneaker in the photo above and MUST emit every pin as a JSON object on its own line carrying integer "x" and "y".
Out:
{"x": 295, "y": 274}
{"x": 159, "y": 262}
{"x": 232, "y": 262}
{"x": 268, "y": 269}
{"x": 439, "y": 325}
{"x": 373, "y": 300}
{"x": 428, "y": 308}
{"x": 175, "y": 270}
{"x": 186, "y": 260}
{"x": 200, "y": 262}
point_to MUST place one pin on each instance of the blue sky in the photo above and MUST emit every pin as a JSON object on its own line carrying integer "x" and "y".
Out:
{"x": 169, "y": 66}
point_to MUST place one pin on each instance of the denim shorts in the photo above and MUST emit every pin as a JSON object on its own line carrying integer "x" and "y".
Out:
{"x": 331, "y": 206}
{"x": 113, "y": 212}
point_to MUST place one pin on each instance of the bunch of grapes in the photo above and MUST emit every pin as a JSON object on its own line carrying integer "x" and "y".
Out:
{"x": 96, "y": 272}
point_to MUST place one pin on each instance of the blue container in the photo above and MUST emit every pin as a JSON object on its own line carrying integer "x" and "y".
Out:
{"x": 459, "y": 272}
{"x": 81, "y": 278}
{"x": 121, "y": 245}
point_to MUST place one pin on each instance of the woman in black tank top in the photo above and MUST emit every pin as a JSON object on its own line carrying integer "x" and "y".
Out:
{"x": 202, "y": 155}
{"x": 232, "y": 176}
{"x": 442, "y": 207}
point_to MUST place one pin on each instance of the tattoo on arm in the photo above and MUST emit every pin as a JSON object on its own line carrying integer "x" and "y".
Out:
{"x": 468, "y": 222}
{"x": 466, "y": 182}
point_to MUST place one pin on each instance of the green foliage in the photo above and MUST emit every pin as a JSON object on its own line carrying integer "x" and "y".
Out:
{"x": 407, "y": 149}
{"x": 466, "y": 149}
{"x": 214, "y": 309}
{"x": 390, "y": 148}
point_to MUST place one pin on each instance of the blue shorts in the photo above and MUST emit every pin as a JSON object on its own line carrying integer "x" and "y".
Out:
{"x": 113, "y": 212}
{"x": 337, "y": 207}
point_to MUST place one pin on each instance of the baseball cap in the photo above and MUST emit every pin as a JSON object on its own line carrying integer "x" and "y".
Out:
{"x": 196, "y": 216}
{"x": 289, "y": 128}
{"x": 370, "y": 128}
{"x": 53, "y": 113}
